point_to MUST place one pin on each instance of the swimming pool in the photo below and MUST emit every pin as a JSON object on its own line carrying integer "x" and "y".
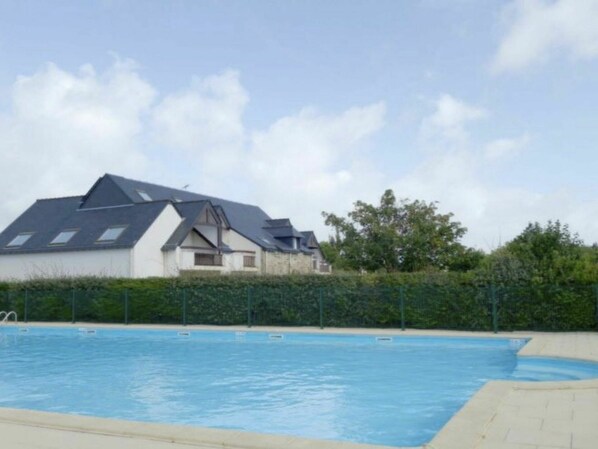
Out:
{"x": 396, "y": 391}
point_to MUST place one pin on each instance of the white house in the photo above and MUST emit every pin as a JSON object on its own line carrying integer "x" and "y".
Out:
{"x": 127, "y": 228}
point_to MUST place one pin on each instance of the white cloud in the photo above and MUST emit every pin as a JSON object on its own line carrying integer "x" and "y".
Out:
{"x": 65, "y": 129}
{"x": 538, "y": 30}
{"x": 505, "y": 147}
{"x": 310, "y": 162}
{"x": 455, "y": 177}
{"x": 204, "y": 124}
{"x": 449, "y": 119}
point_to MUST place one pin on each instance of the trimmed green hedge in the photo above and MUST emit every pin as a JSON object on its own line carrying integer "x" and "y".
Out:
{"x": 426, "y": 301}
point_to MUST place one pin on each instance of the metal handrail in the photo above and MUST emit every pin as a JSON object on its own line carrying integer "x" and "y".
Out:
{"x": 6, "y": 315}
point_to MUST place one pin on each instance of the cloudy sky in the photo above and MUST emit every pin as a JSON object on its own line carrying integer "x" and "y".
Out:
{"x": 488, "y": 107}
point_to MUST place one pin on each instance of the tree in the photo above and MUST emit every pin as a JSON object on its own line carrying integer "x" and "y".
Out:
{"x": 542, "y": 254}
{"x": 399, "y": 236}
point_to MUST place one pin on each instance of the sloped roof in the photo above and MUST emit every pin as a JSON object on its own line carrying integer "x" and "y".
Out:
{"x": 309, "y": 239}
{"x": 114, "y": 200}
{"x": 189, "y": 211}
{"x": 47, "y": 218}
{"x": 246, "y": 219}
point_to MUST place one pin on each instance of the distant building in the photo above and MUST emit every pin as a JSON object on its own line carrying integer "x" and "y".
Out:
{"x": 127, "y": 228}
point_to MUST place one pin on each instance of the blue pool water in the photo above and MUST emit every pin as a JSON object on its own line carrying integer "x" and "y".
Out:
{"x": 396, "y": 392}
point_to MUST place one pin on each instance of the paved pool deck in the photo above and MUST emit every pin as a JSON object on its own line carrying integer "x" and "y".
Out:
{"x": 502, "y": 415}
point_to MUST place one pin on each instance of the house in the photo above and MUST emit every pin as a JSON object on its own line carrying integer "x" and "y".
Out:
{"x": 127, "y": 228}
{"x": 311, "y": 243}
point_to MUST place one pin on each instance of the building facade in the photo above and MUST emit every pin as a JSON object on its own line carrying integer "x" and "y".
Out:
{"x": 127, "y": 228}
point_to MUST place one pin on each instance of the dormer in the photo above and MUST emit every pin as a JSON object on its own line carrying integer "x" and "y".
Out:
{"x": 209, "y": 226}
{"x": 105, "y": 193}
{"x": 309, "y": 240}
{"x": 282, "y": 230}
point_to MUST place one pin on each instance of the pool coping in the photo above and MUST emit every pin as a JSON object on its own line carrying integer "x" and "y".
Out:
{"x": 468, "y": 428}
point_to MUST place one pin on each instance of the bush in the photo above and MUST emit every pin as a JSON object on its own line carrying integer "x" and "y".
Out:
{"x": 434, "y": 300}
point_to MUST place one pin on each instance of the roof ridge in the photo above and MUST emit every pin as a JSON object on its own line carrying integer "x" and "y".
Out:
{"x": 193, "y": 201}
{"x": 208, "y": 197}
{"x": 60, "y": 198}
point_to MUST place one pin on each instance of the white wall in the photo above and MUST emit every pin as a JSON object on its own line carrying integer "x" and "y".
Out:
{"x": 104, "y": 262}
{"x": 193, "y": 239}
{"x": 185, "y": 258}
{"x": 148, "y": 258}
{"x": 242, "y": 247}
{"x": 171, "y": 262}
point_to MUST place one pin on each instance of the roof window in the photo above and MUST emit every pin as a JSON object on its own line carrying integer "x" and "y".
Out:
{"x": 20, "y": 239}
{"x": 111, "y": 234}
{"x": 64, "y": 237}
{"x": 144, "y": 195}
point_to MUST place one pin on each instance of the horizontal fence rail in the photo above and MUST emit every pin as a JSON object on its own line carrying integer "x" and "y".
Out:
{"x": 422, "y": 306}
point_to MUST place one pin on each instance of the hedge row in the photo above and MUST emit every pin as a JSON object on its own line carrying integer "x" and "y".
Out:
{"x": 427, "y": 302}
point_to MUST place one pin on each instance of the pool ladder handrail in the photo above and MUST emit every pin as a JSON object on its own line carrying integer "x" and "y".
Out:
{"x": 4, "y": 316}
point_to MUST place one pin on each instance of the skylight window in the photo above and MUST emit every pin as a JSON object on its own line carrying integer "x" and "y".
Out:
{"x": 20, "y": 239}
{"x": 143, "y": 194}
{"x": 111, "y": 234}
{"x": 64, "y": 237}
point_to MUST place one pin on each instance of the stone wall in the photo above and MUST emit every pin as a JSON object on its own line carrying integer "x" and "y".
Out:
{"x": 286, "y": 263}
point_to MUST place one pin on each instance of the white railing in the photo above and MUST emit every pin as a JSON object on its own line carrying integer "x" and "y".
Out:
{"x": 5, "y": 316}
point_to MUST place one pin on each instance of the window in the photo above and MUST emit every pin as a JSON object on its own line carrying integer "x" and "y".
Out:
{"x": 208, "y": 259}
{"x": 64, "y": 237}
{"x": 111, "y": 234}
{"x": 20, "y": 239}
{"x": 249, "y": 261}
{"x": 143, "y": 194}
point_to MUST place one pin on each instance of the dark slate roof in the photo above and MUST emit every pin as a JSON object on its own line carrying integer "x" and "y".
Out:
{"x": 309, "y": 239}
{"x": 114, "y": 200}
{"x": 189, "y": 211}
{"x": 246, "y": 219}
{"x": 47, "y": 218}
{"x": 278, "y": 222}
{"x": 283, "y": 231}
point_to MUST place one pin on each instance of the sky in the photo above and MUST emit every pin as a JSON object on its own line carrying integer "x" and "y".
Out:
{"x": 488, "y": 108}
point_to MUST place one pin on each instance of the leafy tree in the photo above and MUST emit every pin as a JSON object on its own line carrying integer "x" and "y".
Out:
{"x": 399, "y": 236}
{"x": 543, "y": 254}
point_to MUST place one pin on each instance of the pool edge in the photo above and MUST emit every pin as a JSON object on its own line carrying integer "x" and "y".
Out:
{"x": 187, "y": 436}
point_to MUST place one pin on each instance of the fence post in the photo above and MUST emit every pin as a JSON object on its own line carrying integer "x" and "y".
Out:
{"x": 402, "y": 303}
{"x": 248, "y": 306}
{"x": 25, "y": 317}
{"x": 596, "y": 292}
{"x": 321, "y": 308}
{"x": 494, "y": 308}
{"x": 73, "y": 305}
{"x": 184, "y": 306}
{"x": 126, "y": 306}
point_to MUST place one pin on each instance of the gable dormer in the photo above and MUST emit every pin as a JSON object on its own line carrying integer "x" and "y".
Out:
{"x": 309, "y": 240}
{"x": 283, "y": 231}
{"x": 105, "y": 193}
{"x": 209, "y": 226}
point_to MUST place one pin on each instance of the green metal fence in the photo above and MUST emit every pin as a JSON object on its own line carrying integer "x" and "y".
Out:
{"x": 423, "y": 306}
